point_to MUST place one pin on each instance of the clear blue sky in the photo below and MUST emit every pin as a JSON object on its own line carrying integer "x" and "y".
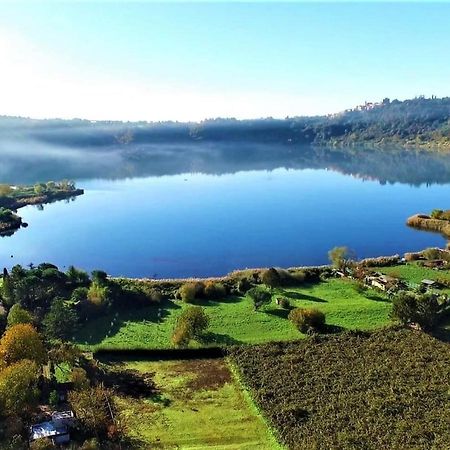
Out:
{"x": 154, "y": 61}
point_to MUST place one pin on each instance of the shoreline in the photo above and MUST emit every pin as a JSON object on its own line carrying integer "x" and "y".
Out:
{"x": 14, "y": 222}
{"x": 425, "y": 222}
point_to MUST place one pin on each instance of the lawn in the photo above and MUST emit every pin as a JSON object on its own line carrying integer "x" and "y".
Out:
{"x": 385, "y": 390}
{"x": 199, "y": 405}
{"x": 413, "y": 273}
{"x": 233, "y": 320}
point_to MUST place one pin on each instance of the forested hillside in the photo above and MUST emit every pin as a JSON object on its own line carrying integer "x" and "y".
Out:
{"x": 416, "y": 122}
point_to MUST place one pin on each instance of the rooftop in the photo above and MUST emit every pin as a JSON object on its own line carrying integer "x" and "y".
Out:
{"x": 46, "y": 429}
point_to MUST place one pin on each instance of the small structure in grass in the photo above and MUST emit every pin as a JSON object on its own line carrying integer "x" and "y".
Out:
{"x": 56, "y": 429}
{"x": 435, "y": 263}
{"x": 383, "y": 282}
{"x": 429, "y": 284}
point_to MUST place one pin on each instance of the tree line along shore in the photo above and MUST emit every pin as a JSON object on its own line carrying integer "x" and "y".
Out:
{"x": 14, "y": 197}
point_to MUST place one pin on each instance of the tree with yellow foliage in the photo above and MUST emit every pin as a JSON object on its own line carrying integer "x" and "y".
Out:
{"x": 19, "y": 387}
{"x": 22, "y": 341}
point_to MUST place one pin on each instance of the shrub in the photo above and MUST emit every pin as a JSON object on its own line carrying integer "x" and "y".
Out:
{"x": 432, "y": 253}
{"x": 412, "y": 256}
{"x": 244, "y": 285}
{"x": 77, "y": 277}
{"x": 17, "y": 315}
{"x": 298, "y": 276}
{"x": 436, "y": 213}
{"x": 307, "y": 319}
{"x": 189, "y": 292}
{"x": 422, "y": 309}
{"x": 91, "y": 408}
{"x": 181, "y": 335}
{"x": 53, "y": 398}
{"x": 99, "y": 276}
{"x": 341, "y": 257}
{"x": 42, "y": 444}
{"x": 191, "y": 323}
{"x": 98, "y": 295}
{"x": 80, "y": 294}
{"x": 79, "y": 379}
{"x": 61, "y": 320}
{"x": 154, "y": 295}
{"x": 284, "y": 302}
{"x": 259, "y": 297}
{"x": 214, "y": 290}
{"x": 91, "y": 444}
{"x": 271, "y": 278}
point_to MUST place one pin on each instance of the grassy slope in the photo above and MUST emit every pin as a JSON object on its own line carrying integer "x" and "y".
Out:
{"x": 414, "y": 273}
{"x": 233, "y": 321}
{"x": 387, "y": 390}
{"x": 200, "y": 406}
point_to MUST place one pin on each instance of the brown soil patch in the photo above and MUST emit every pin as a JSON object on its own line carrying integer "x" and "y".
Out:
{"x": 210, "y": 374}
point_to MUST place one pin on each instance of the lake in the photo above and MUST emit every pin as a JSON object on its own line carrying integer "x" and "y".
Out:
{"x": 203, "y": 210}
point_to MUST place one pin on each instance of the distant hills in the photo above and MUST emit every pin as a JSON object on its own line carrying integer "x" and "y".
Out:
{"x": 423, "y": 122}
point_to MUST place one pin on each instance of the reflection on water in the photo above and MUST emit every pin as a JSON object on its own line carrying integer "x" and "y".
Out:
{"x": 163, "y": 210}
{"x": 28, "y": 163}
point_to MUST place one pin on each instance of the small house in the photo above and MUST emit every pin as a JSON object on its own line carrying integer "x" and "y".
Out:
{"x": 382, "y": 282}
{"x": 63, "y": 418}
{"x": 429, "y": 284}
{"x": 57, "y": 434}
{"x": 56, "y": 429}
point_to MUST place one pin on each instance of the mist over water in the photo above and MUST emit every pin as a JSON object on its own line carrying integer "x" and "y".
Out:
{"x": 202, "y": 208}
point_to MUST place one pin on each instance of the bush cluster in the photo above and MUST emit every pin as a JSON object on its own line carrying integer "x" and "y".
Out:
{"x": 307, "y": 320}
{"x": 191, "y": 323}
{"x": 259, "y": 297}
{"x": 425, "y": 310}
{"x": 214, "y": 290}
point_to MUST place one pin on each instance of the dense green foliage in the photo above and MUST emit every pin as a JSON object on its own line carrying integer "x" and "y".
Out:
{"x": 259, "y": 296}
{"x": 355, "y": 391}
{"x": 61, "y": 320}
{"x": 425, "y": 310}
{"x": 17, "y": 315}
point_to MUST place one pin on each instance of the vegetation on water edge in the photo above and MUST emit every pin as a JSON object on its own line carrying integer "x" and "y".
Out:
{"x": 387, "y": 389}
{"x": 431, "y": 223}
{"x": 15, "y": 197}
{"x": 9, "y": 221}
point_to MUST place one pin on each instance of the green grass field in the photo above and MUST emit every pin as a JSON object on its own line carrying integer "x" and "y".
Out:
{"x": 234, "y": 321}
{"x": 414, "y": 273}
{"x": 200, "y": 405}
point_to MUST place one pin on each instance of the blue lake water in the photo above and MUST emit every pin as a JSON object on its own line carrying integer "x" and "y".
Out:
{"x": 201, "y": 224}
